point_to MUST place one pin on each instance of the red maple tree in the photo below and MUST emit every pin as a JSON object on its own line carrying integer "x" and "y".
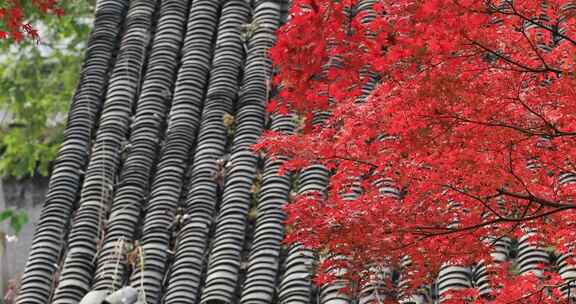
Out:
{"x": 13, "y": 22}
{"x": 468, "y": 138}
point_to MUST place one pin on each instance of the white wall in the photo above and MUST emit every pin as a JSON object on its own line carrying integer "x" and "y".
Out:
{"x": 27, "y": 194}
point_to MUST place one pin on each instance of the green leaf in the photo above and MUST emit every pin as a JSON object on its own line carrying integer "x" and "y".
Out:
{"x": 6, "y": 214}
{"x": 17, "y": 221}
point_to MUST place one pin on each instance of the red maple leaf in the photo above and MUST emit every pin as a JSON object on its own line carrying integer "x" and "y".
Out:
{"x": 12, "y": 18}
{"x": 455, "y": 119}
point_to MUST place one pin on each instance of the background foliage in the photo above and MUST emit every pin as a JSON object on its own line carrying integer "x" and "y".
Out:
{"x": 37, "y": 81}
{"x": 16, "y": 218}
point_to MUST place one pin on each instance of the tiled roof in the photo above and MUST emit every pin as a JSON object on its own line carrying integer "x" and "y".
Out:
{"x": 155, "y": 185}
{"x": 155, "y": 193}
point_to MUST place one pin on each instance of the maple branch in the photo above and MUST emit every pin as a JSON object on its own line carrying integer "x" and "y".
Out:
{"x": 542, "y": 289}
{"x": 525, "y": 211}
{"x": 532, "y": 198}
{"x": 529, "y": 197}
{"x": 512, "y": 62}
{"x": 409, "y": 244}
{"x": 535, "y": 49}
{"x": 538, "y": 24}
{"x": 494, "y": 124}
{"x": 511, "y": 168}
{"x": 554, "y": 134}
{"x": 364, "y": 162}
{"x": 446, "y": 231}
{"x": 529, "y": 109}
{"x": 515, "y": 226}
{"x": 485, "y": 204}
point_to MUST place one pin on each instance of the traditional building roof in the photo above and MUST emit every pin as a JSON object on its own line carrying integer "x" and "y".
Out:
{"x": 156, "y": 194}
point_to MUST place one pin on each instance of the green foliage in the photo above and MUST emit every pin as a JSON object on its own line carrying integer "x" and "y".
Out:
{"x": 17, "y": 219}
{"x": 37, "y": 81}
